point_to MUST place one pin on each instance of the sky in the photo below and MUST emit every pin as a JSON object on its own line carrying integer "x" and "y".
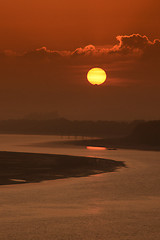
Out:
{"x": 47, "y": 48}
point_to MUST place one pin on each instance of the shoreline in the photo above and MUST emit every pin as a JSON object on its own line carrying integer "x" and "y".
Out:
{"x": 22, "y": 168}
{"x": 96, "y": 143}
{"x": 107, "y": 144}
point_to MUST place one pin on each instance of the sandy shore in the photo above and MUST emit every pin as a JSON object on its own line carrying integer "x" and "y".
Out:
{"x": 18, "y": 168}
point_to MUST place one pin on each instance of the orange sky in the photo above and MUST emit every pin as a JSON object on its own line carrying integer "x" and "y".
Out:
{"x": 62, "y": 24}
{"x": 48, "y": 46}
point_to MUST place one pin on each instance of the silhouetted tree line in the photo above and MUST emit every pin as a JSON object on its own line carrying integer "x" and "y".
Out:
{"x": 65, "y": 127}
{"x": 144, "y": 135}
{"x": 147, "y": 133}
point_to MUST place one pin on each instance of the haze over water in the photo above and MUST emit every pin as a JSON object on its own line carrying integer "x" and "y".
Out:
{"x": 118, "y": 205}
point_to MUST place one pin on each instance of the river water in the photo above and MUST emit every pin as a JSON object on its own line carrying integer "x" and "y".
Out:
{"x": 123, "y": 205}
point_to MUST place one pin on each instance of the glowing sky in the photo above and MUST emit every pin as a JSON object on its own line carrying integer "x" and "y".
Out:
{"x": 47, "y": 48}
{"x": 62, "y": 24}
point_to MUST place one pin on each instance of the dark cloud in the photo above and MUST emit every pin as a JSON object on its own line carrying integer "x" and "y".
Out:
{"x": 136, "y": 45}
{"x": 133, "y": 43}
{"x": 42, "y": 52}
{"x": 88, "y": 50}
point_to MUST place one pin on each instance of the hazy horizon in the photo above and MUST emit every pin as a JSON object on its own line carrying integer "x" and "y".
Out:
{"x": 45, "y": 116}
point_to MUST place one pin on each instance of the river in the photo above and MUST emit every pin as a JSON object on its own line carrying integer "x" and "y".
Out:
{"x": 122, "y": 205}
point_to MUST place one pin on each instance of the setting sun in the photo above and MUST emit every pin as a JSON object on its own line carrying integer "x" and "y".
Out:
{"x": 96, "y": 76}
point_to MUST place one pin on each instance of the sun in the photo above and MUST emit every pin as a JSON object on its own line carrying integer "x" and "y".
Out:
{"x": 96, "y": 76}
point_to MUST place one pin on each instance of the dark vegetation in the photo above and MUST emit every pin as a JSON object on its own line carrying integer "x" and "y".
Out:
{"x": 31, "y": 167}
{"x": 146, "y": 135}
{"x": 136, "y": 134}
{"x": 66, "y": 127}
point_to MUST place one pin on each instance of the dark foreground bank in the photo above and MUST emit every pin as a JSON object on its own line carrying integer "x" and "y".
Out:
{"x": 16, "y": 168}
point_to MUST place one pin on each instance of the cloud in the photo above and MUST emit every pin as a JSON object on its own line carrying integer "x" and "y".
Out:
{"x": 145, "y": 57}
{"x": 134, "y": 44}
{"x": 43, "y": 79}
{"x": 86, "y": 51}
{"x": 134, "y": 58}
{"x": 42, "y": 53}
{"x": 137, "y": 46}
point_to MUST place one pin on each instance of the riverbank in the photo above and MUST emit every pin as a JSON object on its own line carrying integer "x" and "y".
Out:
{"x": 122, "y": 143}
{"x": 18, "y": 168}
{"x": 109, "y": 144}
